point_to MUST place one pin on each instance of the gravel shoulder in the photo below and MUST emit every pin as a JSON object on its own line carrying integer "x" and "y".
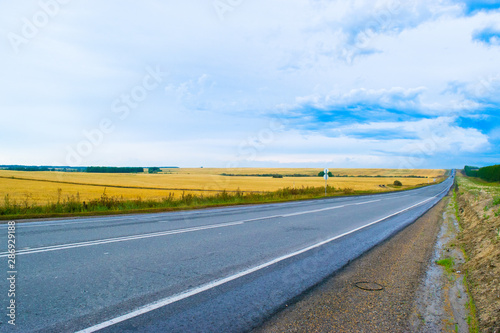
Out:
{"x": 375, "y": 293}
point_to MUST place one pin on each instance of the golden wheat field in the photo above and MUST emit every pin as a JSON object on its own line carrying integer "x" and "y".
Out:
{"x": 44, "y": 187}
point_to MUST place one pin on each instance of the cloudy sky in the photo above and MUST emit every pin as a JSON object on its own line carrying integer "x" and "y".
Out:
{"x": 237, "y": 83}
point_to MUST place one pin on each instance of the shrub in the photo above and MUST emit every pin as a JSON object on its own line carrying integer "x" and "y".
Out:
{"x": 397, "y": 183}
{"x": 490, "y": 173}
{"x": 154, "y": 170}
{"x": 348, "y": 190}
{"x": 471, "y": 171}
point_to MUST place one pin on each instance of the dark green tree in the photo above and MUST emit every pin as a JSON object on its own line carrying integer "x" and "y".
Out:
{"x": 154, "y": 170}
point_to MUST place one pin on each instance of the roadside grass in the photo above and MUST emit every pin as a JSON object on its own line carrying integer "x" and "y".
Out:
{"x": 478, "y": 246}
{"x": 471, "y": 306}
{"x": 472, "y": 320}
{"x": 449, "y": 266}
{"x": 455, "y": 205}
{"x": 74, "y": 206}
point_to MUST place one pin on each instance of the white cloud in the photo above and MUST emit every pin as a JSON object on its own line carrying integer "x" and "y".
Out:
{"x": 226, "y": 77}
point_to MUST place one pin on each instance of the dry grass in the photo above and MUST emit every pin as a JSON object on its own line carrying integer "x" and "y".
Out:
{"x": 204, "y": 181}
{"x": 479, "y": 208}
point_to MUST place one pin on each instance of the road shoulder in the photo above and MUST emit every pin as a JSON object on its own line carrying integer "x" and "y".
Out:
{"x": 392, "y": 272}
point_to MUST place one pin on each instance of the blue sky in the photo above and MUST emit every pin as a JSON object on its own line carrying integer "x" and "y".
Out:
{"x": 239, "y": 83}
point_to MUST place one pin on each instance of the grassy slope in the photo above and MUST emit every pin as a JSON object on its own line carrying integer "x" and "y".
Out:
{"x": 479, "y": 211}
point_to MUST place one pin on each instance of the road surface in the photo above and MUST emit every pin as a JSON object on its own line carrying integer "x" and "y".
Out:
{"x": 213, "y": 270}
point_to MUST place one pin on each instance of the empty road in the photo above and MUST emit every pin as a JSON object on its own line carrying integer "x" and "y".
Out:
{"x": 213, "y": 270}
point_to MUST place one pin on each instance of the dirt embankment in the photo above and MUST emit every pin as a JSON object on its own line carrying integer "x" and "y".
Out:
{"x": 481, "y": 241}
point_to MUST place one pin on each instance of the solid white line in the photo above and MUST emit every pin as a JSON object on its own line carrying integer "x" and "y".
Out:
{"x": 162, "y": 233}
{"x": 313, "y": 211}
{"x": 119, "y": 239}
{"x": 94, "y": 220}
{"x": 169, "y": 300}
{"x": 328, "y": 208}
{"x": 132, "y": 237}
{"x": 365, "y": 202}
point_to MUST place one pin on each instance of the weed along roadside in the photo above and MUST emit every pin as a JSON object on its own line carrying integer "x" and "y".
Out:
{"x": 108, "y": 205}
{"x": 442, "y": 299}
{"x": 461, "y": 291}
{"x": 477, "y": 208}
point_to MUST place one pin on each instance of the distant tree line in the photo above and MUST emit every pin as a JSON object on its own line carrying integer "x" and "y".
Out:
{"x": 377, "y": 176}
{"x": 471, "y": 171}
{"x": 154, "y": 170}
{"x": 28, "y": 168}
{"x": 320, "y": 174}
{"x": 94, "y": 169}
{"x": 489, "y": 173}
{"x": 274, "y": 175}
{"x": 41, "y": 168}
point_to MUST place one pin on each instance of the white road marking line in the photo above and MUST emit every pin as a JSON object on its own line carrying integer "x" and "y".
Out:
{"x": 119, "y": 239}
{"x": 119, "y": 219}
{"x": 163, "y": 233}
{"x": 69, "y": 222}
{"x": 133, "y": 237}
{"x": 169, "y": 300}
{"x": 365, "y": 202}
{"x": 312, "y": 211}
{"x": 328, "y": 208}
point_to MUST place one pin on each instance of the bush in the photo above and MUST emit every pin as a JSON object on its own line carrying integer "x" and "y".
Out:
{"x": 471, "y": 171}
{"x": 490, "y": 173}
{"x": 397, "y": 183}
{"x": 348, "y": 190}
{"x": 154, "y": 170}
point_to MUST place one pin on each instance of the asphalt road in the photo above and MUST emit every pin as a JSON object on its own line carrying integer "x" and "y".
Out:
{"x": 216, "y": 270}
